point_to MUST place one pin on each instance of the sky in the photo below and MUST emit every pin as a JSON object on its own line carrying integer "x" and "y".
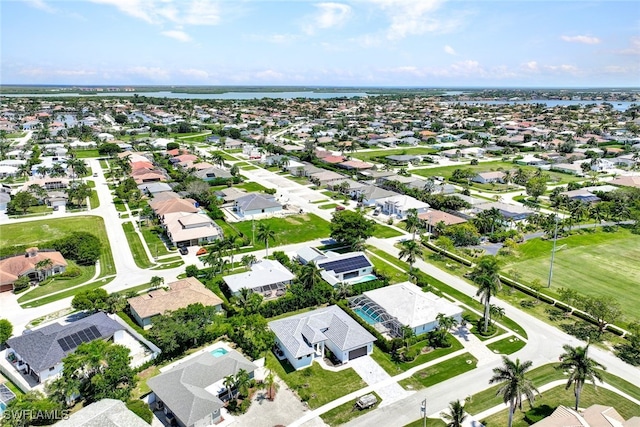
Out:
{"x": 417, "y": 43}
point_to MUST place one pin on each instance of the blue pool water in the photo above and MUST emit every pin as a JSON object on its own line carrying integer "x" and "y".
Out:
{"x": 3, "y": 406}
{"x": 365, "y": 316}
{"x": 362, "y": 279}
{"x": 219, "y": 352}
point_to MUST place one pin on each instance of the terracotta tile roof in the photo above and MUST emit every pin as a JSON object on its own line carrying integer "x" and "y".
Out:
{"x": 14, "y": 267}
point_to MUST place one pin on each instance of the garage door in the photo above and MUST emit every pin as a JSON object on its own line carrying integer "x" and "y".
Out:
{"x": 362, "y": 351}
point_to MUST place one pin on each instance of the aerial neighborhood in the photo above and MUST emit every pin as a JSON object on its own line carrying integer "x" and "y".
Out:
{"x": 391, "y": 260}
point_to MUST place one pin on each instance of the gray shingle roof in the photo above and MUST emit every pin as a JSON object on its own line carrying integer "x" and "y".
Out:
{"x": 104, "y": 413}
{"x": 254, "y": 201}
{"x": 40, "y": 347}
{"x": 182, "y": 389}
{"x": 298, "y": 332}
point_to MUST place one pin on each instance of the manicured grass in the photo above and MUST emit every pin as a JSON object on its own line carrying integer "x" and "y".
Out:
{"x": 142, "y": 388}
{"x": 251, "y": 187}
{"x": 94, "y": 200}
{"x": 10, "y": 385}
{"x": 154, "y": 242}
{"x": 328, "y": 206}
{"x": 293, "y": 313}
{"x": 168, "y": 266}
{"x": 550, "y": 399}
{"x": 119, "y": 204}
{"x": 314, "y": 384}
{"x": 57, "y": 284}
{"x": 69, "y": 293}
{"x": 287, "y": 230}
{"x": 137, "y": 249}
{"x": 346, "y": 412}
{"x": 382, "y": 267}
{"x": 104, "y": 164}
{"x": 227, "y": 230}
{"x": 383, "y": 232}
{"x": 487, "y": 398}
{"x": 129, "y": 321}
{"x": 226, "y": 156}
{"x": 506, "y": 345}
{"x": 431, "y": 422}
{"x": 249, "y": 167}
{"x": 440, "y": 372}
{"x": 608, "y": 263}
{"x": 39, "y": 232}
{"x": 393, "y": 368}
{"x": 170, "y": 259}
{"x": 413, "y": 151}
{"x": 86, "y": 154}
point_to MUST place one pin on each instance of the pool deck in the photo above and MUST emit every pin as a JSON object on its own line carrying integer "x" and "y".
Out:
{"x": 208, "y": 349}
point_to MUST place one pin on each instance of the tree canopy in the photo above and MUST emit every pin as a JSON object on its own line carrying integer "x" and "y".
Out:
{"x": 350, "y": 228}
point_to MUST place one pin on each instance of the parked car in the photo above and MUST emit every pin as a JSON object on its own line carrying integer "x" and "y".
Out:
{"x": 184, "y": 250}
{"x": 340, "y": 208}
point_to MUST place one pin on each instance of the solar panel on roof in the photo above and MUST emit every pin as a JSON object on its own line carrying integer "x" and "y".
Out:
{"x": 95, "y": 332}
{"x": 73, "y": 340}
{"x": 349, "y": 264}
{"x": 63, "y": 345}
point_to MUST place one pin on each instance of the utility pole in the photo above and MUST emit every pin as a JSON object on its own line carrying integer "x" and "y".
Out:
{"x": 423, "y": 409}
{"x": 553, "y": 251}
{"x": 253, "y": 231}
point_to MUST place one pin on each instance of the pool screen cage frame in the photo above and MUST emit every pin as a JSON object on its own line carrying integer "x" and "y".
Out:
{"x": 390, "y": 323}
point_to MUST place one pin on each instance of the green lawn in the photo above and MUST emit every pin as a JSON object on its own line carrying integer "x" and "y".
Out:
{"x": 549, "y": 400}
{"x": 506, "y": 345}
{"x": 608, "y": 264}
{"x": 46, "y": 230}
{"x": 328, "y": 206}
{"x": 154, "y": 242}
{"x": 86, "y": 154}
{"x": 119, "y": 204}
{"x": 94, "y": 200}
{"x": 346, "y": 412}
{"x": 136, "y": 246}
{"x": 226, "y": 156}
{"x": 440, "y": 372}
{"x": 168, "y": 266}
{"x": 69, "y": 293}
{"x": 58, "y": 284}
{"x": 393, "y": 368}
{"x": 431, "y": 422}
{"x": 383, "y": 232}
{"x": 382, "y": 267}
{"x": 314, "y": 384}
{"x": 250, "y": 187}
{"x": 288, "y": 230}
{"x": 367, "y": 155}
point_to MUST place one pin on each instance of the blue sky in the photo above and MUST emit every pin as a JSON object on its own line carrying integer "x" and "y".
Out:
{"x": 426, "y": 43}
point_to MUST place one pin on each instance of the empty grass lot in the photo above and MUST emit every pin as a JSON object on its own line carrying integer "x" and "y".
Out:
{"x": 596, "y": 263}
{"x": 314, "y": 384}
{"x": 288, "y": 229}
{"x": 136, "y": 246}
{"x": 346, "y": 412}
{"x": 506, "y": 345}
{"x": 440, "y": 372}
{"x": 413, "y": 151}
{"x": 383, "y": 232}
{"x": 46, "y": 230}
{"x": 154, "y": 242}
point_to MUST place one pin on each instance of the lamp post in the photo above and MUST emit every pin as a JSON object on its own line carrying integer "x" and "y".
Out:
{"x": 553, "y": 252}
{"x": 423, "y": 409}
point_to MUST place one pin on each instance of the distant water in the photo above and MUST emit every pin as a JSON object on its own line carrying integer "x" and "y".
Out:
{"x": 225, "y": 95}
{"x": 620, "y": 106}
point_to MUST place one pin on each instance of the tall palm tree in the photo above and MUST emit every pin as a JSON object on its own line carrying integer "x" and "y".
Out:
{"x": 229, "y": 381}
{"x": 486, "y": 275}
{"x": 412, "y": 223}
{"x": 514, "y": 384}
{"x": 455, "y": 416}
{"x": 43, "y": 266}
{"x": 410, "y": 250}
{"x": 248, "y": 260}
{"x": 581, "y": 368}
{"x": 265, "y": 233}
{"x": 310, "y": 276}
{"x": 156, "y": 282}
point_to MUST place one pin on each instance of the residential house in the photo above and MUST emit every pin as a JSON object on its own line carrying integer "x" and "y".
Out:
{"x": 268, "y": 277}
{"x": 355, "y": 165}
{"x": 153, "y": 188}
{"x": 510, "y": 212}
{"x": 593, "y": 416}
{"x": 626, "y": 181}
{"x": 403, "y": 305}
{"x": 233, "y": 144}
{"x": 309, "y": 254}
{"x": 403, "y": 159}
{"x": 303, "y": 337}
{"x": 570, "y": 168}
{"x": 582, "y": 195}
{"x": 255, "y": 204}
{"x": 190, "y": 228}
{"x": 209, "y": 174}
{"x": 370, "y": 195}
{"x": 38, "y": 353}
{"x": 489, "y": 177}
{"x": 229, "y": 195}
{"x": 170, "y": 205}
{"x": 176, "y": 295}
{"x": 325, "y": 177}
{"x": 434, "y": 216}
{"x": 400, "y": 205}
{"x": 103, "y": 413}
{"x": 31, "y": 264}
{"x": 193, "y": 391}
{"x": 350, "y": 267}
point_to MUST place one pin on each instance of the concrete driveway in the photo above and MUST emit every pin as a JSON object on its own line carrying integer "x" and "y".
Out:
{"x": 371, "y": 373}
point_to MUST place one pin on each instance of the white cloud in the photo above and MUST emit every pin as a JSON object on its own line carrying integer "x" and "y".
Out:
{"x": 531, "y": 66}
{"x": 563, "y": 68}
{"x": 195, "y": 73}
{"x": 53, "y": 72}
{"x": 150, "y": 73}
{"x": 178, "y": 35}
{"x": 581, "y": 39}
{"x": 415, "y": 17}
{"x": 633, "y": 49}
{"x": 329, "y": 15}
{"x": 197, "y": 12}
{"x": 449, "y": 50}
{"x": 269, "y": 75}
{"x": 40, "y": 4}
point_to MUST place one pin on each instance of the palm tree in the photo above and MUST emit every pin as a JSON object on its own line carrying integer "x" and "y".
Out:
{"x": 43, "y": 265}
{"x": 446, "y": 322}
{"x": 411, "y": 250}
{"x": 265, "y": 233}
{"x": 486, "y": 275}
{"x": 229, "y": 381}
{"x": 248, "y": 260}
{"x": 581, "y": 368}
{"x": 310, "y": 276}
{"x": 242, "y": 382}
{"x": 496, "y": 311}
{"x": 342, "y": 290}
{"x": 412, "y": 223}
{"x": 456, "y": 416}
{"x": 514, "y": 384}
{"x": 156, "y": 282}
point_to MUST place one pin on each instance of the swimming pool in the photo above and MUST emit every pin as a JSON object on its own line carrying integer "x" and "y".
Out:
{"x": 362, "y": 279}
{"x": 370, "y": 319}
{"x": 219, "y": 352}
{"x": 3, "y": 406}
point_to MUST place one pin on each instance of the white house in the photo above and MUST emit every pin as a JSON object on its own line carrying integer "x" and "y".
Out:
{"x": 400, "y": 205}
{"x": 303, "y": 337}
{"x": 266, "y": 277}
{"x": 351, "y": 267}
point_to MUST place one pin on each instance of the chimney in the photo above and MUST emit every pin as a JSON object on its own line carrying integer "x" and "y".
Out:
{"x": 31, "y": 252}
